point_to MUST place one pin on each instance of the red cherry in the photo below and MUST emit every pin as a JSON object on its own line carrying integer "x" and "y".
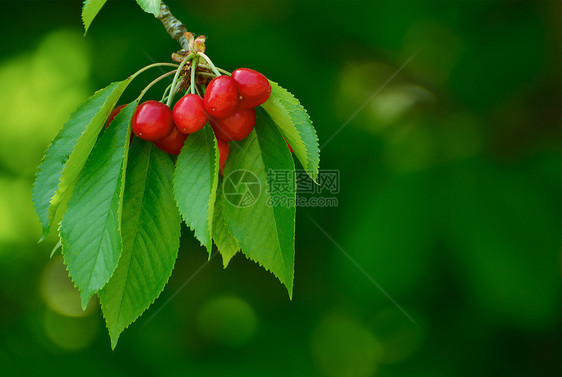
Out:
{"x": 289, "y": 145}
{"x": 221, "y": 97}
{"x": 112, "y": 116}
{"x": 223, "y": 154}
{"x": 172, "y": 143}
{"x": 253, "y": 87}
{"x": 189, "y": 114}
{"x": 236, "y": 126}
{"x": 152, "y": 121}
{"x": 114, "y": 113}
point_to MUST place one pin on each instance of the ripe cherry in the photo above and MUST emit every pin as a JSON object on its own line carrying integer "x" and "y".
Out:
{"x": 152, "y": 121}
{"x": 221, "y": 97}
{"x": 189, "y": 114}
{"x": 253, "y": 87}
{"x": 289, "y": 145}
{"x": 236, "y": 126}
{"x": 223, "y": 154}
{"x": 114, "y": 113}
{"x": 112, "y": 116}
{"x": 173, "y": 143}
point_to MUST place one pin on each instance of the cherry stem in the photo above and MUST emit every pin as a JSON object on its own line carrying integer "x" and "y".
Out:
{"x": 212, "y": 74}
{"x": 209, "y": 62}
{"x": 166, "y": 93}
{"x": 154, "y": 82}
{"x": 175, "y": 81}
{"x": 193, "y": 69}
{"x": 224, "y": 71}
{"x": 134, "y": 75}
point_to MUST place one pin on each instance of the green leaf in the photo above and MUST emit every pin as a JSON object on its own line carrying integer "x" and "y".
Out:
{"x": 195, "y": 183}
{"x": 226, "y": 243}
{"x": 90, "y": 229}
{"x": 151, "y": 233}
{"x": 69, "y": 150}
{"x": 57, "y": 246}
{"x": 296, "y": 126}
{"x": 150, "y": 6}
{"x": 265, "y": 231}
{"x": 90, "y": 11}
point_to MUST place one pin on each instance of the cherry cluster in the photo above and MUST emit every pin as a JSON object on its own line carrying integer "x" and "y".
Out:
{"x": 228, "y": 105}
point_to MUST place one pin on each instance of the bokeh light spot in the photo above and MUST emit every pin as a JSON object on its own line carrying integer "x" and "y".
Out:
{"x": 70, "y": 333}
{"x": 59, "y": 293}
{"x": 342, "y": 347}
{"x": 227, "y": 320}
{"x": 16, "y": 213}
{"x": 400, "y": 337}
{"x": 386, "y": 103}
{"x": 39, "y": 90}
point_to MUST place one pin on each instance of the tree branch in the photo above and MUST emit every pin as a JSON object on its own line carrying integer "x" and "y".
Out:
{"x": 173, "y": 26}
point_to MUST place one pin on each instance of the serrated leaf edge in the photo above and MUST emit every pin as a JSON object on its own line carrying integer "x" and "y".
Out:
{"x": 124, "y": 173}
{"x": 312, "y": 172}
{"x": 147, "y": 9}
{"x": 214, "y": 187}
{"x": 277, "y": 240}
{"x": 51, "y": 215}
{"x": 122, "y": 177}
{"x": 211, "y": 205}
{"x": 238, "y": 249}
{"x": 114, "y": 343}
{"x": 84, "y": 5}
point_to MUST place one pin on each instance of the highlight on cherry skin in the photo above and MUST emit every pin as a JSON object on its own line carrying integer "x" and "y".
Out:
{"x": 236, "y": 126}
{"x": 221, "y": 97}
{"x": 189, "y": 114}
{"x": 253, "y": 87}
{"x": 152, "y": 121}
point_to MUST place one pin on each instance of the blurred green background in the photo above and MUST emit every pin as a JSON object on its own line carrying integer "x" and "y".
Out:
{"x": 450, "y": 196}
